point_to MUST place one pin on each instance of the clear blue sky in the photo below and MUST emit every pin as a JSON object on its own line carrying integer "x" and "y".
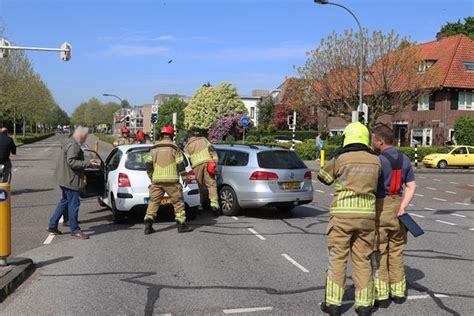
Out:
{"x": 123, "y": 46}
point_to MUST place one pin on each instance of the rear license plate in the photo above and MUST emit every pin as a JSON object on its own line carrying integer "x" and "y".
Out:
{"x": 164, "y": 201}
{"x": 291, "y": 185}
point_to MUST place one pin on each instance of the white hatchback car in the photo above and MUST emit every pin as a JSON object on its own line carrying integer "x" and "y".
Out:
{"x": 121, "y": 183}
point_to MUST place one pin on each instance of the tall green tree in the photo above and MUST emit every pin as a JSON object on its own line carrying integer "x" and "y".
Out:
{"x": 166, "y": 110}
{"x": 266, "y": 111}
{"x": 466, "y": 27}
{"x": 210, "y": 103}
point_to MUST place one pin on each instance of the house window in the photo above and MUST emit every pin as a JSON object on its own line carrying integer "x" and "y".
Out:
{"x": 466, "y": 101}
{"x": 451, "y": 135}
{"x": 469, "y": 65}
{"x": 252, "y": 112}
{"x": 424, "y": 102}
{"x": 425, "y": 65}
{"x": 421, "y": 137}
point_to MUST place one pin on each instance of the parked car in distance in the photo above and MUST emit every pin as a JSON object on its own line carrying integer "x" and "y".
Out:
{"x": 455, "y": 156}
{"x": 250, "y": 176}
{"x": 121, "y": 183}
{"x": 285, "y": 139}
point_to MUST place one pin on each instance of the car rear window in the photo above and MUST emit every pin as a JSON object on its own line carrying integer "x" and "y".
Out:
{"x": 136, "y": 160}
{"x": 279, "y": 159}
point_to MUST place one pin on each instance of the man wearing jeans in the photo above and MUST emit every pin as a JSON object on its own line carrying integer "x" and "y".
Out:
{"x": 7, "y": 147}
{"x": 69, "y": 175}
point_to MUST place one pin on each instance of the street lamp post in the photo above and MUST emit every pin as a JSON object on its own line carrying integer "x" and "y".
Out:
{"x": 361, "y": 56}
{"x": 113, "y": 96}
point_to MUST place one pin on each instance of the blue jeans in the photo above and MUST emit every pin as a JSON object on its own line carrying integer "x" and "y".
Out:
{"x": 69, "y": 199}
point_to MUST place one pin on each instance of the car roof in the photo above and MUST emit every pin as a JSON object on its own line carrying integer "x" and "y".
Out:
{"x": 248, "y": 147}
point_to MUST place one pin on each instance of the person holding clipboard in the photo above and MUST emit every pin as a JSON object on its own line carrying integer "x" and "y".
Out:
{"x": 395, "y": 190}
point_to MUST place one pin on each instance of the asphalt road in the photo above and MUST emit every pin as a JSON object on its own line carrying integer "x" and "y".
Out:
{"x": 262, "y": 262}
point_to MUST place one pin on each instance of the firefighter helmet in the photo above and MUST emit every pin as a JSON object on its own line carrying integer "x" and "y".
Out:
{"x": 356, "y": 133}
{"x": 167, "y": 130}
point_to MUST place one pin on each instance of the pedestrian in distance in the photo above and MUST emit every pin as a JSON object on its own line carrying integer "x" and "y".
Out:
{"x": 70, "y": 178}
{"x": 355, "y": 170}
{"x": 7, "y": 147}
{"x": 203, "y": 159}
{"x": 318, "y": 146}
{"x": 165, "y": 164}
{"x": 395, "y": 190}
{"x": 125, "y": 139}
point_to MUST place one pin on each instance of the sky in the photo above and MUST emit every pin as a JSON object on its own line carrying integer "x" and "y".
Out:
{"x": 123, "y": 47}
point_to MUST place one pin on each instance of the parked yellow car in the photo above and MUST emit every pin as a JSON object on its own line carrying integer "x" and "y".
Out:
{"x": 456, "y": 156}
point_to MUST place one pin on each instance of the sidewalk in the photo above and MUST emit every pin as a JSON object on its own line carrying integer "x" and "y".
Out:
{"x": 104, "y": 148}
{"x": 11, "y": 276}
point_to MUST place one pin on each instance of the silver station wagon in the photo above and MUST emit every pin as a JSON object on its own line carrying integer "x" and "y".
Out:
{"x": 250, "y": 176}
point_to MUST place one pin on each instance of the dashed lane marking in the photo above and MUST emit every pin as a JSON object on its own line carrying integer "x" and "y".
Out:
{"x": 416, "y": 215}
{"x": 247, "y": 310}
{"x": 411, "y": 205}
{"x": 256, "y": 234}
{"x": 48, "y": 239}
{"x": 430, "y": 188}
{"x": 418, "y": 297}
{"x": 430, "y": 209}
{"x": 438, "y": 199}
{"x": 422, "y": 177}
{"x": 458, "y": 215}
{"x": 454, "y": 182}
{"x": 293, "y": 261}
{"x": 450, "y": 192}
{"x": 235, "y": 217}
{"x": 470, "y": 185}
{"x": 437, "y": 180}
{"x": 471, "y": 228}
{"x": 444, "y": 222}
{"x": 461, "y": 203}
{"x": 420, "y": 195}
{"x": 320, "y": 191}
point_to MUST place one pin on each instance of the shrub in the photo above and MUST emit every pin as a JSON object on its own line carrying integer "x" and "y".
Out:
{"x": 267, "y": 139}
{"x": 464, "y": 130}
{"x": 32, "y": 138}
{"x": 251, "y": 139}
{"x": 306, "y": 150}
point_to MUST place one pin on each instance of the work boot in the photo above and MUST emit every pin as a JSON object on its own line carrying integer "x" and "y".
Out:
{"x": 332, "y": 310}
{"x": 398, "y": 299}
{"x": 364, "y": 310}
{"x": 382, "y": 303}
{"x": 149, "y": 227}
{"x": 184, "y": 228}
{"x": 215, "y": 211}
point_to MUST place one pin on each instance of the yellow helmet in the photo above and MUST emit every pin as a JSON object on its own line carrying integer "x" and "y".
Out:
{"x": 356, "y": 133}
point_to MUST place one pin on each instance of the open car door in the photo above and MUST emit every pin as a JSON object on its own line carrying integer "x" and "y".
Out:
{"x": 94, "y": 176}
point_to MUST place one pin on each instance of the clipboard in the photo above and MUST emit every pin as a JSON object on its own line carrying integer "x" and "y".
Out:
{"x": 411, "y": 225}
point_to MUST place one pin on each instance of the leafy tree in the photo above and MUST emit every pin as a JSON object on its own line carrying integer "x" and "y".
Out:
{"x": 266, "y": 111}
{"x": 466, "y": 28}
{"x": 227, "y": 127}
{"x": 282, "y": 111}
{"x": 210, "y": 103}
{"x": 464, "y": 130}
{"x": 125, "y": 104}
{"x": 93, "y": 113}
{"x": 166, "y": 110}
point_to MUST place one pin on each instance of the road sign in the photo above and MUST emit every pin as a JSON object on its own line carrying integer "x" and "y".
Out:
{"x": 154, "y": 109}
{"x": 3, "y": 195}
{"x": 244, "y": 121}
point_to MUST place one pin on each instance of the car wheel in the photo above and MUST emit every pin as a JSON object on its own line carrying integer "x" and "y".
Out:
{"x": 442, "y": 164}
{"x": 286, "y": 209}
{"x": 228, "y": 200}
{"x": 191, "y": 212}
{"x": 117, "y": 216}
{"x": 466, "y": 167}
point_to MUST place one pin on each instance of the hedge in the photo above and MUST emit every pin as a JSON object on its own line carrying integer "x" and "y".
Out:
{"x": 32, "y": 138}
{"x": 299, "y": 135}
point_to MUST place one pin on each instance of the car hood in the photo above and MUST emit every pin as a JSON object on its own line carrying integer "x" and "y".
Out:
{"x": 434, "y": 156}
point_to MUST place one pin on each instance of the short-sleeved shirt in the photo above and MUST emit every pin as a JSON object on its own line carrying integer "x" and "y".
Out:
{"x": 384, "y": 181}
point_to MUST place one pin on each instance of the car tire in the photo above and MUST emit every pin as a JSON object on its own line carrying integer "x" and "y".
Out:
{"x": 442, "y": 164}
{"x": 286, "y": 209}
{"x": 466, "y": 167}
{"x": 101, "y": 203}
{"x": 228, "y": 201}
{"x": 117, "y": 216}
{"x": 191, "y": 212}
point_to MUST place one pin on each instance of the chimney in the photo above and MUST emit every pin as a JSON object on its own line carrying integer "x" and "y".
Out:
{"x": 440, "y": 35}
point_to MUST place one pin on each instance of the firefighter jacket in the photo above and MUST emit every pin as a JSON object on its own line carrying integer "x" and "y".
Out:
{"x": 199, "y": 151}
{"x": 355, "y": 174}
{"x": 165, "y": 162}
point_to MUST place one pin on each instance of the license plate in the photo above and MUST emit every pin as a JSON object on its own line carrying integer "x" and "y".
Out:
{"x": 291, "y": 185}
{"x": 164, "y": 201}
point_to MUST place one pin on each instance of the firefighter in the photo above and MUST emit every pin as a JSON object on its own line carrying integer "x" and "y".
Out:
{"x": 125, "y": 139}
{"x": 392, "y": 200}
{"x": 354, "y": 170}
{"x": 203, "y": 159}
{"x": 165, "y": 163}
{"x": 140, "y": 137}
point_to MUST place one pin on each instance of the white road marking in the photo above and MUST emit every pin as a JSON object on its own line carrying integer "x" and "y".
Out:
{"x": 256, "y": 234}
{"x": 460, "y": 203}
{"x": 443, "y": 222}
{"x": 430, "y": 188}
{"x": 420, "y": 195}
{"x": 429, "y": 209}
{"x": 471, "y": 228}
{"x": 235, "y": 217}
{"x": 49, "y": 239}
{"x": 422, "y": 177}
{"x": 332, "y": 194}
{"x": 454, "y": 182}
{"x": 293, "y": 261}
{"x": 418, "y": 297}
{"x": 14, "y": 170}
{"x": 471, "y": 185}
{"x": 411, "y": 205}
{"x": 320, "y": 191}
{"x": 458, "y": 215}
{"x": 247, "y": 310}
{"x": 437, "y": 180}
{"x": 416, "y": 215}
{"x": 438, "y": 199}
{"x": 450, "y": 192}
{"x": 61, "y": 220}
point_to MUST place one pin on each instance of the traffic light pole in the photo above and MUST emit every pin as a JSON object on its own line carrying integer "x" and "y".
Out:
{"x": 65, "y": 49}
{"x": 293, "y": 129}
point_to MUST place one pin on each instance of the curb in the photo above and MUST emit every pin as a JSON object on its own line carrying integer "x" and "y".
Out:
{"x": 13, "y": 275}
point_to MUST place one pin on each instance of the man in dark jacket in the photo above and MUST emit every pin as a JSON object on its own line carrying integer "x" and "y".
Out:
{"x": 69, "y": 175}
{"x": 7, "y": 147}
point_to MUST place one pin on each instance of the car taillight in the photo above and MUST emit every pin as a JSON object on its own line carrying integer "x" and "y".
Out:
{"x": 263, "y": 175}
{"x": 191, "y": 177}
{"x": 123, "y": 181}
{"x": 308, "y": 176}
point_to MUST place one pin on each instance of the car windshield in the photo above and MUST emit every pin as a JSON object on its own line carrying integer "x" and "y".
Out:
{"x": 279, "y": 159}
{"x": 445, "y": 150}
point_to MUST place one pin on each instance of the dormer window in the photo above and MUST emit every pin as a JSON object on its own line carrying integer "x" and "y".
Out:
{"x": 424, "y": 65}
{"x": 469, "y": 65}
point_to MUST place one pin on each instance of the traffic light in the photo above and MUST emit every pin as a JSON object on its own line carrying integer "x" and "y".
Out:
{"x": 154, "y": 118}
{"x": 66, "y": 51}
{"x": 4, "y": 52}
{"x": 361, "y": 117}
{"x": 290, "y": 120}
